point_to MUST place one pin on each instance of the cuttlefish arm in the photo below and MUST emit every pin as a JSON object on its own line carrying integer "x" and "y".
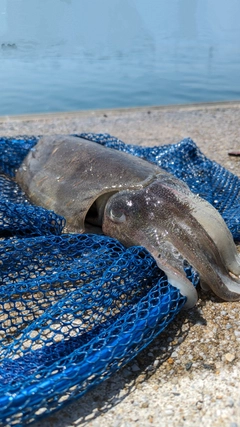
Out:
{"x": 175, "y": 225}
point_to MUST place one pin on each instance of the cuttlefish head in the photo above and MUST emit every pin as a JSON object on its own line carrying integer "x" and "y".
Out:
{"x": 175, "y": 225}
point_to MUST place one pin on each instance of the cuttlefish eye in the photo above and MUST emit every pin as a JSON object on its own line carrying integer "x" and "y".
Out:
{"x": 117, "y": 216}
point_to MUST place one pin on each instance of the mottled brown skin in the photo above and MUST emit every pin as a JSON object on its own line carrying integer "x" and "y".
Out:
{"x": 139, "y": 204}
{"x": 67, "y": 174}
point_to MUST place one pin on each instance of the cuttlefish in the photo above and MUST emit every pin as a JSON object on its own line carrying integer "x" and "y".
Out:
{"x": 138, "y": 203}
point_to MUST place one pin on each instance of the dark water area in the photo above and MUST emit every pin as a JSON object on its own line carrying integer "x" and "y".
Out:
{"x": 63, "y": 55}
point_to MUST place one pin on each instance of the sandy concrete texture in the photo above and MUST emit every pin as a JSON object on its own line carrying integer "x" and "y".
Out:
{"x": 190, "y": 374}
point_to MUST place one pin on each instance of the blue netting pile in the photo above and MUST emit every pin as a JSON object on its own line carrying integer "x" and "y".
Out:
{"x": 75, "y": 308}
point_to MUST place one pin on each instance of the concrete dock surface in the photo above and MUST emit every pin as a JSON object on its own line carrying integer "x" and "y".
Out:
{"x": 189, "y": 376}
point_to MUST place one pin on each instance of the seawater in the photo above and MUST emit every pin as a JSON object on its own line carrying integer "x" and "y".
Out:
{"x": 62, "y": 55}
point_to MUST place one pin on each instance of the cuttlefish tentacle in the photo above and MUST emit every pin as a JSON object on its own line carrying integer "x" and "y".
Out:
{"x": 171, "y": 262}
{"x": 139, "y": 204}
{"x": 214, "y": 225}
{"x": 172, "y": 222}
{"x": 211, "y": 221}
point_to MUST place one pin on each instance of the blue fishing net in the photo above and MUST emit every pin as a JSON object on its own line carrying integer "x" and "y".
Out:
{"x": 75, "y": 308}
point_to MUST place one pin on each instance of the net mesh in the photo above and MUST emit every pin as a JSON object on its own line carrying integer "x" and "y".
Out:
{"x": 75, "y": 308}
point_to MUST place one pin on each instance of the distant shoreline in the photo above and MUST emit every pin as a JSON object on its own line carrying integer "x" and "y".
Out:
{"x": 50, "y": 115}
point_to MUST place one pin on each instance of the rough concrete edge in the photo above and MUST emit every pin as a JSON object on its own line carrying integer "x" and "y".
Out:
{"x": 99, "y": 112}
